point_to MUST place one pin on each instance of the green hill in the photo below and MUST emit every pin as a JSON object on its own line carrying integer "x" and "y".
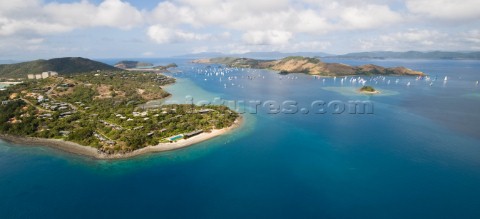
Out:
{"x": 64, "y": 66}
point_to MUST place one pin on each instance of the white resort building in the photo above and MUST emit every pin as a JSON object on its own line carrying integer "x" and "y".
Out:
{"x": 43, "y": 75}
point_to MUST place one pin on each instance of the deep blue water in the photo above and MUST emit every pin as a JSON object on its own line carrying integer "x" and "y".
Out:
{"x": 416, "y": 156}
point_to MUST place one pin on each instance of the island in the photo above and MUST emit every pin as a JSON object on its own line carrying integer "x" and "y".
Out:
{"x": 143, "y": 66}
{"x": 312, "y": 66}
{"x": 368, "y": 90}
{"x": 132, "y": 64}
{"x": 100, "y": 114}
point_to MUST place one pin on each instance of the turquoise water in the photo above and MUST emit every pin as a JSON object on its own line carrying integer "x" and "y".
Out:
{"x": 416, "y": 156}
{"x": 174, "y": 138}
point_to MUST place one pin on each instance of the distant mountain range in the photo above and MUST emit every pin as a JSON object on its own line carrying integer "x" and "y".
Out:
{"x": 410, "y": 55}
{"x": 360, "y": 55}
{"x": 64, "y": 66}
{"x": 254, "y": 55}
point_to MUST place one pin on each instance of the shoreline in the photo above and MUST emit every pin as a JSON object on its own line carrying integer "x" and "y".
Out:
{"x": 369, "y": 92}
{"x": 74, "y": 148}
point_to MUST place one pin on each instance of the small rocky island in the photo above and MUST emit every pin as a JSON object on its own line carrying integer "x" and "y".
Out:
{"x": 368, "y": 90}
{"x": 312, "y": 66}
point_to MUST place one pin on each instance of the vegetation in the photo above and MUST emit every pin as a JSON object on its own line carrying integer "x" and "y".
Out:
{"x": 104, "y": 111}
{"x": 166, "y": 67}
{"x": 132, "y": 64}
{"x": 301, "y": 58}
{"x": 368, "y": 89}
{"x": 64, "y": 66}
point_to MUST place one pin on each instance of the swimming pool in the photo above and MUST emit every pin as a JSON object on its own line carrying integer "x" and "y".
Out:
{"x": 176, "y": 137}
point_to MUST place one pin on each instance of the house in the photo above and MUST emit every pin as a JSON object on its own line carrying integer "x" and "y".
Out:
{"x": 40, "y": 99}
{"x": 48, "y": 74}
{"x": 65, "y": 114}
{"x": 38, "y": 76}
{"x": 31, "y": 76}
{"x": 202, "y": 111}
{"x": 191, "y": 134}
{"x": 5, "y": 102}
{"x": 64, "y": 133}
{"x": 43, "y": 116}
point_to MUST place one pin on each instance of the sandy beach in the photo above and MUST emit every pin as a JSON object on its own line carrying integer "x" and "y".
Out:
{"x": 369, "y": 92}
{"x": 78, "y": 149}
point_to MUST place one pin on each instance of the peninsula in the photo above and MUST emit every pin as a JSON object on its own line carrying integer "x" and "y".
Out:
{"x": 313, "y": 66}
{"x": 99, "y": 114}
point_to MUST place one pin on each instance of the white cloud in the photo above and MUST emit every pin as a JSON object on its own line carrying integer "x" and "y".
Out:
{"x": 10, "y": 27}
{"x": 11, "y": 7}
{"x": 245, "y": 25}
{"x": 446, "y": 9}
{"x": 110, "y": 13}
{"x": 35, "y": 41}
{"x": 308, "y": 46}
{"x": 164, "y": 35}
{"x": 269, "y": 37}
{"x": 115, "y": 13}
{"x": 169, "y": 14}
{"x": 148, "y": 54}
{"x": 200, "y": 49}
{"x": 414, "y": 37}
{"x": 472, "y": 36}
{"x": 310, "y": 21}
{"x": 422, "y": 40}
{"x": 369, "y": 16}
{"x": 32, "y": 16}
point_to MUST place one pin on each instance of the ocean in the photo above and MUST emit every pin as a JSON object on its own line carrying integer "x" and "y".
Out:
{"x": 417, "y": 155}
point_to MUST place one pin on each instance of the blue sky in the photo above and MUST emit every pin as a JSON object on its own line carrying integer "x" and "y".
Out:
{"x": 32, "y": 29}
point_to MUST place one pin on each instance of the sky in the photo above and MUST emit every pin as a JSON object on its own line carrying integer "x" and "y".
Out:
{"x": 33, "y": 29}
